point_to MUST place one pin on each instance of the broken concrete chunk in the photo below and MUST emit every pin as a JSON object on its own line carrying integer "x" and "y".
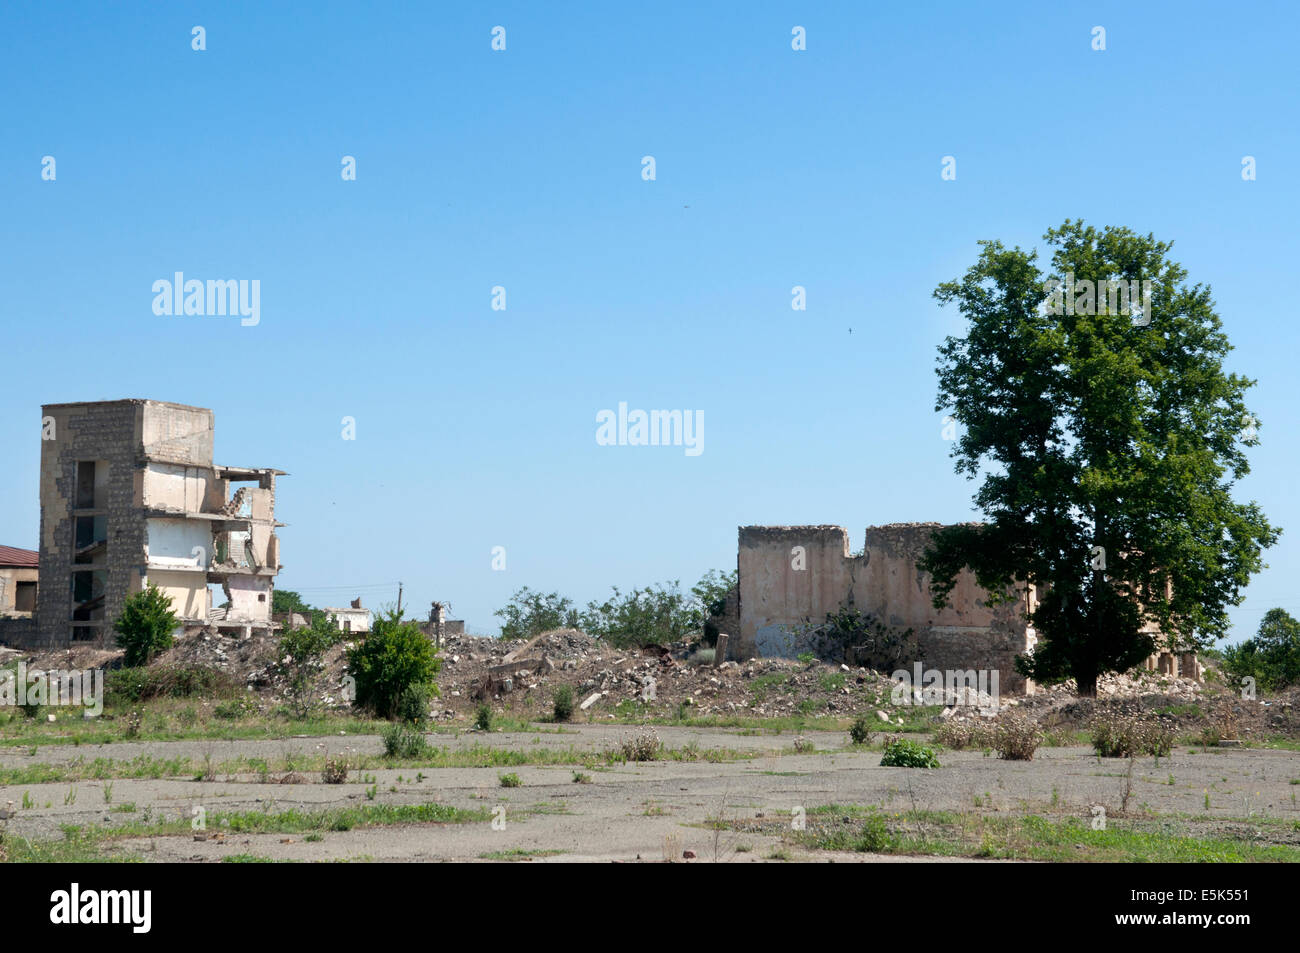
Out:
{"x": 591, "y": 700}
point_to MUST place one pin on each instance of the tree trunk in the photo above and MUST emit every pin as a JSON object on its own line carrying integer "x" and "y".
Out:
{"x": 1087, "y": 682}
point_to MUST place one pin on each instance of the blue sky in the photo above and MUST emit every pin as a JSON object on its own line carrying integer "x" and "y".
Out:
{"x": 476, "y": 428}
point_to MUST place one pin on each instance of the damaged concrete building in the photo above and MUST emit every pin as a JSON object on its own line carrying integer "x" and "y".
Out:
{"x": 130, "y": 497}
{"x": 18, "y": 582}
{"x": 791, "y": 577}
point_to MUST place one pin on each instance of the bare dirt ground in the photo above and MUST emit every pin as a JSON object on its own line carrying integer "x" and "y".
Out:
{"x": 651, "y": 811}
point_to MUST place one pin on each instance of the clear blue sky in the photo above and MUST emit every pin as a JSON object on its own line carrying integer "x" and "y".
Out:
{"x": 476, "y": 428}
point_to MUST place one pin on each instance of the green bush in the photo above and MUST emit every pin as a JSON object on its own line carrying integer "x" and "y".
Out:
{"x": 874, "y": 836}
{"x": 656, "y": 614}
{"x": 145, "y": 627}
{"x": 413, "y": 705}
{"x": 510, "y": 780}
{"x": 530, "y": 613}
{"x": 235, "y": 708}
{"x": 302, "y": 655}
{"x": 483, "y": 717}
{"x": 860, "y": 732}
{"x": 563, "y": 703}
{"x": 392, "y": 658}
{"x": 403, "y": 741}
{"x": 902, "y": 753}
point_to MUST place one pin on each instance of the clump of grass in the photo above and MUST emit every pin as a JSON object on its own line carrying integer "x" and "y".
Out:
{"x": 804, "y": 746}
{"x": 403, "y": 741}
{"x": 581, "y": 777}
{"x": 483, "y": 717}
{"x": 510, "y": 780}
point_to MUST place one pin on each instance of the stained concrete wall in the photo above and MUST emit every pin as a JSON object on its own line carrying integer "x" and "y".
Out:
{"x": 10, "y": 576}
{"x": 174, "y": 487}
{"x": 170, "y": 544}
{"x": 358, "y": 619}
{"x": 790, "y": 575}
{"x": 250, "y": 599}
{"x": 188, "y": 592}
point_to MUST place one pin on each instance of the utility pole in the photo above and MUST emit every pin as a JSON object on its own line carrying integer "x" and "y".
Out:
{"x": 399, "y": 598}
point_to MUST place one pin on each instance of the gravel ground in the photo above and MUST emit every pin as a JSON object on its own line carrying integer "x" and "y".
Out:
{"x": 642, "y": 811}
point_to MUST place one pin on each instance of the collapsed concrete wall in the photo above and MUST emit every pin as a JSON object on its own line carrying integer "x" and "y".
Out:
{"x": 792, "y": 577}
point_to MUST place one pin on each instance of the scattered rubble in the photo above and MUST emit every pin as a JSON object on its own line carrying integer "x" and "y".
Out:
{"x": 521, "y": 676}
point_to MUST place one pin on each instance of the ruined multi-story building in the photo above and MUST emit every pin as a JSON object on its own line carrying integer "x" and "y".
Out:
{"x": 130, "y": 497}
{"x": 791, "y": 576}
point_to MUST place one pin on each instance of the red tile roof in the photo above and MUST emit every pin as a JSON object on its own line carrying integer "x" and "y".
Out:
{"x": 24, "y": 558}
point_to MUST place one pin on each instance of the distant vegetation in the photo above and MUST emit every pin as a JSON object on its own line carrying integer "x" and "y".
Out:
{"x": 1272, "y": 657}
{"x": 655, "y": 614}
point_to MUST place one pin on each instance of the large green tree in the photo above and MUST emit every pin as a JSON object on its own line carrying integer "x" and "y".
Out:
{"x": 1108, "y": 444}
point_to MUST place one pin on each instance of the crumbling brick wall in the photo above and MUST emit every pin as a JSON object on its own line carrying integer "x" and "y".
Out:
{"x": 793, "y": 574}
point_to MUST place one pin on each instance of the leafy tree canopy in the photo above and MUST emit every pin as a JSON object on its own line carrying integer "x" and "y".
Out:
{"x": 1107, "y": 445}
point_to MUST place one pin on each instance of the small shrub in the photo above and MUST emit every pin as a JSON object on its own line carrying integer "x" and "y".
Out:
{"x": 861, "y": 732}
{"x": 562, "y": 703}
{"x": 902, "y": 753}
{"x": 335, "y": 771}
{"x": 133, "y": 722}
{"x": 145, "y": 626}
{"x": 1116, "y": 735}
{"x": 874, "y": 836}
{"x": 510, "y": 780}
{"x": 960, "y": 734}
{"x": 644, "y": 746}
{"x": 413, "y": 704}
{"x": 302, "y": 659}
{"x": 403, "y": 741}
{"x": 703, "y": 657}
{"x": 1016, "y": 737}
{"x": 483, "y": 717}
{"x": 392, "y": 658}
{"x": 234, "y": 709}
{"x": 580, "y": 777}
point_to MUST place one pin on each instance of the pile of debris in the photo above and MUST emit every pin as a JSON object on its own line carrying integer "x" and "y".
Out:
{"x": 521, "y": 677}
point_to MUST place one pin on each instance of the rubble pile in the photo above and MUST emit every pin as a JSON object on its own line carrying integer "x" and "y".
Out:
{"x": 521, "y": 676}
